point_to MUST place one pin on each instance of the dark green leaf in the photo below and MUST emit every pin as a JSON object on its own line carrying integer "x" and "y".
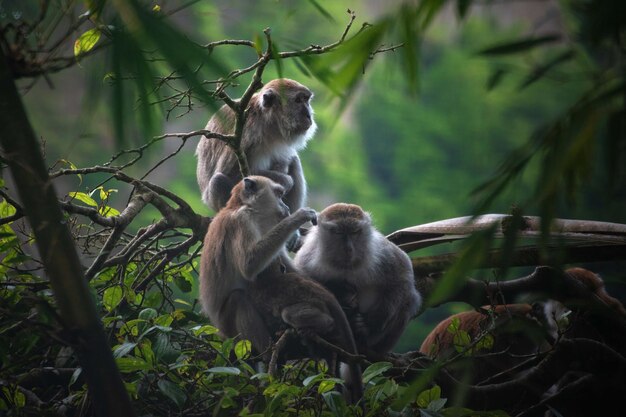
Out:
{"x": 182, "y": 283}
{"x": 541, "y": 70}
{"x": 335, "y": 403}
{"x": 520, "y": 45}
{"x": 375, "y": 370}
{"x": 322, "y": 11}
{"x": 495, "y": 78}
{"x": 123, "y": 349}
{"x": 112, "y": 297}
{"x": 429, "y": 395}
{"x": 173, "y": 392}
{"x": 131, "y": 364}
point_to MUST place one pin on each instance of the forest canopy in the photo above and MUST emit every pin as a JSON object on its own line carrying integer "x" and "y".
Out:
{"x": 427, "y": 110}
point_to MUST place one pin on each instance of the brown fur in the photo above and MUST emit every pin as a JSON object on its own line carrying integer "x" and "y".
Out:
{"x": 595, "y": 285}
{"x": 248, "y": 286}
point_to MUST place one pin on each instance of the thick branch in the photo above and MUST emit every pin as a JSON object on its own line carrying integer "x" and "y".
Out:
{"x": 59, "y": 255}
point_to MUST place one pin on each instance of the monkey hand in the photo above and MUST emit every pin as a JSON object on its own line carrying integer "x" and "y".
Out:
{"x": 307, "y": 215}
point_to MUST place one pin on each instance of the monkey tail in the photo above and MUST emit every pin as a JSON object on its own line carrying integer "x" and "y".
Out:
{"x": 353, "y": 378}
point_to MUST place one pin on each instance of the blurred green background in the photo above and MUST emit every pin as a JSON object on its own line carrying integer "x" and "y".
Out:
{"x": 406, "y": 157}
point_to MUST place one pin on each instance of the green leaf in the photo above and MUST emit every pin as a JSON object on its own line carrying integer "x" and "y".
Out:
{"x": 322, "y": 11}
{"x": 470, "y": 257}
{"x": 335, "y": 403}
{"x": 86, "y": 42}
{"x": 225, "y": 370}
{"x": 148, "y": 314}
{"x": 326, "y": 385}
{"x": 485, "y": 342}
{"x": 243, "y": 349}
{"x": 107, "y": 211}
{"x": 541, "y": 70}
{"x": 6, "y": 209}
{"x": 85, "y": 198}
{"x": 182, "y": 283}
{"x": 173, "y": 392}
{"x": 429, "y": 395}
{"x": 206, "y": 329}
{"x": 495, "y": 78}
{"x": 374, "y": 370}
{"x": 312, "y": 379}
{"x": 131, "y": 364}
{"x": 123, "y": 349}
{"x": 461, "y": 340}
{"x": 520, "y": 45}
{"x": 453, "y": 327}
{"x": 112, "y": 297}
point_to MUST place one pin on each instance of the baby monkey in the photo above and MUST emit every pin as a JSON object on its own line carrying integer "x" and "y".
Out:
{"x": 370, "y": 276}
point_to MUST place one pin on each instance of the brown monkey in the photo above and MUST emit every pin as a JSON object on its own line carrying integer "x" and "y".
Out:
{"x": 520, "y": 330}
{"x": 248, "y": 285}
{"x": 279, "y": 124}
{"x": 516, "y": 331}
{"x": 370, "y": 276}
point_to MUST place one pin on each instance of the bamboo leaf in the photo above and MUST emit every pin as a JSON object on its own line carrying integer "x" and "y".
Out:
{"x": 542, "y": 70}
{"x": 520, "y": 45}
{"x": 322, "y": 10}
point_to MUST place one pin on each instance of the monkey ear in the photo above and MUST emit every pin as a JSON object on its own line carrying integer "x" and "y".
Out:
{"x": 250, "y": 185}
{"x": 269, "y": 97}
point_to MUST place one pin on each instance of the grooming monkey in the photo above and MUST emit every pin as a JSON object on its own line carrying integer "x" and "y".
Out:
{"x": 371, "y": 277}
{"x": 248, "y": 285}
{"x": 279, "y": 124}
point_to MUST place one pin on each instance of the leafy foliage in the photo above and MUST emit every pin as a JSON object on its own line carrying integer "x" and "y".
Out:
{"x": 142, "y": 279}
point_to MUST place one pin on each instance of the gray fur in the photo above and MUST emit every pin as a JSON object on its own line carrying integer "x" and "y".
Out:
{"x": 273, "y": 135}
{"x": 369, "y": 275}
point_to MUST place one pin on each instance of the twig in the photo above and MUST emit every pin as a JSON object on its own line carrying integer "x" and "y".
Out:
{"x": 276, "y": 350}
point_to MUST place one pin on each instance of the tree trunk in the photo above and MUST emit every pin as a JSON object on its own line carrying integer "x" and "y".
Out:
{"x": 58, "y": 253}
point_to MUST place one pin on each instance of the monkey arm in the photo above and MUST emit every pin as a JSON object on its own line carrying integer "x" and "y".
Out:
{"x": 269, "y": 246}
{"x": 218, "y": 191}
{"x": 296, "y": 196}
{"x": 281, "y": 178}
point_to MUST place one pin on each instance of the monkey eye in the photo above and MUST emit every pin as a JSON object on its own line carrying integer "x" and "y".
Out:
{"x": 279, "y": 192}
{"x": 303, "y": 97}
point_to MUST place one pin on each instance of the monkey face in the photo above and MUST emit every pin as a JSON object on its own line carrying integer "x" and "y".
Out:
{"x": 346, "y": 243}
{"x": 289, "y": 102}
{"x": 264, "y": 197}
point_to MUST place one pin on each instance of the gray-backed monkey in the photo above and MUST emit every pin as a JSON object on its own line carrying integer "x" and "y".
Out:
{"x": 248, "y": 285}
{"x": 279, "y": 124}
{"x": 371, "y": 277}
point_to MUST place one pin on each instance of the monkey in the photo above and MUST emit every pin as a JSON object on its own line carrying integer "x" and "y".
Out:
{"x": 279, "y": 123}
{"x": 248, "y": 284}
{"x": 522, "y": 330}
{"x": 370, "y": 276}
{"x": 515, "y": 331}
